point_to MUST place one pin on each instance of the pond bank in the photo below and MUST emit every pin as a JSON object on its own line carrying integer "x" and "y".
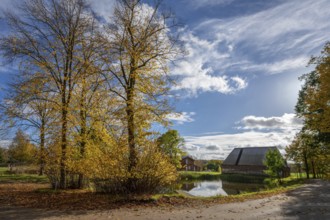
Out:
{"x": 310, "y": 201}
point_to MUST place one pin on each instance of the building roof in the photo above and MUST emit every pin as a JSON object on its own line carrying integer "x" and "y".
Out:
{"x": 190, "y": 157}
{"x": 248, "y": 156}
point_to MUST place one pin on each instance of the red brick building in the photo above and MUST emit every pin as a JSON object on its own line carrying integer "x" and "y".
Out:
{"x": 189, "y": 164}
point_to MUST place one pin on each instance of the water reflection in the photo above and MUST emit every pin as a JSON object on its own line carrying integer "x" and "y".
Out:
{"x": 209, "y": 188}
{"x": 205, "y": 188}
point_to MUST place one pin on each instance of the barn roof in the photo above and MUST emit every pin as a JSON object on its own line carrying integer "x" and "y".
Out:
{"x": 187, "y": 156}
{"x": 248, "y": 156}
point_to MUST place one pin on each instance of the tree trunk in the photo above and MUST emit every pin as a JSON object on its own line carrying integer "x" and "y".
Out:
{"x": 83, "y": 130}
{"x": 131, "y": 139}
{"x": 306, "y": 165}
{"x": 63, "y": 148}
{"x": 42, "y": 148}
{"x": 313, "y": 169}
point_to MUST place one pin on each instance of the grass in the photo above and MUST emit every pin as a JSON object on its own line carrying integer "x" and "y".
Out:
{"x": 241, "y": 178}
{"x": 3, "y": 170}
{"x": 10, "y": 177}
{"x": 192, "y": 175}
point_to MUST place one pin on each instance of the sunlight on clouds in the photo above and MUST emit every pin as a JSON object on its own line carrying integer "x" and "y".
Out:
{"x": 271, "y": 131}
{"x": 199, "y": 71}
{"x": 277, "y": 40}
{"x": 200, "y": 146}
{"x": 286, "y": 121}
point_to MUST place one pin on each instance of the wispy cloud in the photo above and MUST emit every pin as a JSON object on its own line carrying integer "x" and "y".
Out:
{"x": 6, "y": 4}
{"x": 276, "y": 40}
{"x": 182, "y": 117}
{"x": 289, "y": 32}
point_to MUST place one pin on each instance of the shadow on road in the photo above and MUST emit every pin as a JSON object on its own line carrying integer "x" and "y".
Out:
{"x": 312, "y": 201}
{"x": 16, "y": 213}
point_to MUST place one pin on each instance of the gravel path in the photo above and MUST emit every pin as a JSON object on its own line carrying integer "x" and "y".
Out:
{"x": 311, "y": 201}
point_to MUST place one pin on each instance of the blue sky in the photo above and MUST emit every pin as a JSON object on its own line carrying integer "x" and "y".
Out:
{"x": 238, "y": 85}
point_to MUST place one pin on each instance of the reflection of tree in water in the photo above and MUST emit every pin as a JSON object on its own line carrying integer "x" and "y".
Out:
{"x": 188, "y": 186}
{"x": 213, "y": 188}
{"x": 238, "y": 188}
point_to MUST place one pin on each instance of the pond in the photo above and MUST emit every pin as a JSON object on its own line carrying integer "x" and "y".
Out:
{"x": 208, "y": 188}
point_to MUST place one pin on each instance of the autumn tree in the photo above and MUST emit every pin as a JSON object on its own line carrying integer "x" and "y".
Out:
{"x": 170, "y": 143}
{"x": 299, "y": 151}
{"x": 313, "y": 142}
{"x": 140, "y": 47}
{"x": 318, "y": 94}
{"x": 306, "y": 149}
{"x": 28, "y": 106}
{"x": 49, "y": 34}
{"x": 91, "y": 101}
{"x": 21, "y": 150}
{"x": 3, "y": 155}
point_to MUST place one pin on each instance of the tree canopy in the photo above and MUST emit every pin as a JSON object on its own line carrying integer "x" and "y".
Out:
{"x": 170, "y": 144}
{"x": 274, "y": 163}
{"x": 21, "y": 150}
{"x": 93, "y": 90}
{"x": 312, "y": 145}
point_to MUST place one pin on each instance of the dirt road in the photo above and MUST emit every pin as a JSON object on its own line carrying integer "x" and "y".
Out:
{"x": 311, "y": 201}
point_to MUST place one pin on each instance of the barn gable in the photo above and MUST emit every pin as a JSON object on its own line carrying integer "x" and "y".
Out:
{"x": 248, "y": 160}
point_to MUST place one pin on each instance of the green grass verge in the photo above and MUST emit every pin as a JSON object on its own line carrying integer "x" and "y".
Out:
{"x": 3, "y": 170}
{"x": 192, "y": 175}
{"x": 8, "y": 177}
{"x": 241, "y": 178}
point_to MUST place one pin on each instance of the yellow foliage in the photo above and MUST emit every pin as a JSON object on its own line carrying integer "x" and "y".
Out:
{"x": 318, "y": 97}
{"x": 153, "y": 170}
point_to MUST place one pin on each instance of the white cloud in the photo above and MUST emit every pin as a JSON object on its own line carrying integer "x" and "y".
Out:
{"x": 103, "y": 8}
{"x": 271, "y": 131}
{"x": 198, "y": 72}
{"x": 284, "y": 35}
{"x": 181, "y": 118}
{"x": 219, "y": 146}
{"x": 276, "y": 40}
{"x": 5, "y": 143}
{"x": 284, "y": 122}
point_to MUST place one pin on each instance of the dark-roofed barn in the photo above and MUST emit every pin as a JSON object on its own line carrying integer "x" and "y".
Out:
{"x": 249, "y": 160}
